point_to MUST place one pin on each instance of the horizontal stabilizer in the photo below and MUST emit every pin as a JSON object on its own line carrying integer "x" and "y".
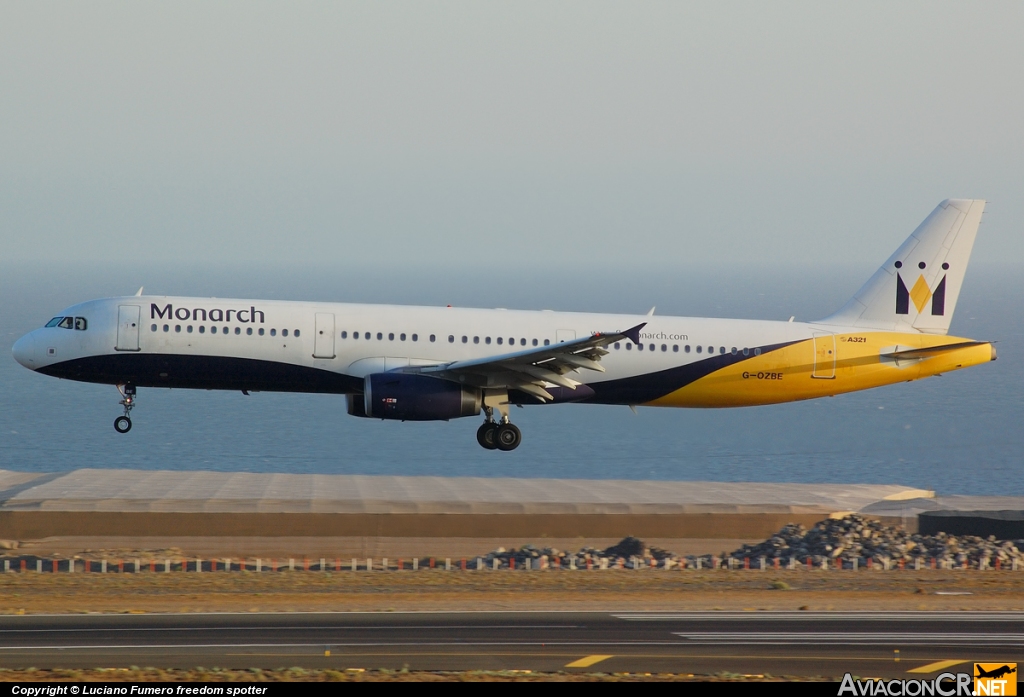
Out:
{"x": 933, "y": 350}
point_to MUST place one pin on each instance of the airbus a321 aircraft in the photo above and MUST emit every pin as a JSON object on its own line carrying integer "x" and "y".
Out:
{"x": 440, "y": 363}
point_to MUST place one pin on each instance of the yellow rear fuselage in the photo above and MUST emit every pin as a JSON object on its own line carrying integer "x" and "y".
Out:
{"x": 826, "y": 365}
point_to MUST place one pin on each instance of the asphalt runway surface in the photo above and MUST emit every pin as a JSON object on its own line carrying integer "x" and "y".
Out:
{"x": 776, "y": 643}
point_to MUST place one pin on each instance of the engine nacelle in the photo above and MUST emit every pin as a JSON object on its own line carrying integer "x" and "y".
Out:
{"x": 416, "y": 398}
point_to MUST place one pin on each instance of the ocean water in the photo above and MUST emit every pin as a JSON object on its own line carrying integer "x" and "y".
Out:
{"x": 958, "y": 433}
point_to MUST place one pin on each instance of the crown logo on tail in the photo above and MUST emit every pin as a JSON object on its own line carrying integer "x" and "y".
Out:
{"x": 920, "y": 293}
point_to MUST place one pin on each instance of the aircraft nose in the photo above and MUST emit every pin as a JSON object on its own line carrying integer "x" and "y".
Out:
{"x": 24, "y": 351}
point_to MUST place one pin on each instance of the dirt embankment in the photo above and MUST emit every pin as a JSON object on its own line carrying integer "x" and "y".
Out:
{"x": 655, "y": 590}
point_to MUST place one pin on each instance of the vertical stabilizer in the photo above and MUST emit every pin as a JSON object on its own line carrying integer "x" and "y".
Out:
{"x": 917, "y": 287}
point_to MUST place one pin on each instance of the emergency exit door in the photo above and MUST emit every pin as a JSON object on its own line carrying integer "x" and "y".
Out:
{"x": 824, "y": 356}
{"x": 127, "y": 328}
{"x": 323, "y": 339}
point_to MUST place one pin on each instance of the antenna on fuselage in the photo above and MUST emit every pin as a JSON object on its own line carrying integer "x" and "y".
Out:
{"x": 140, "y": 291}
{"x": 650, "y": 313}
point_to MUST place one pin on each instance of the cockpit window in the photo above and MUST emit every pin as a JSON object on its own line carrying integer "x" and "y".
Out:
{"x": 66, "y": 323}
{"x": 81, "y": 324}
{"x": 54, "y": 322}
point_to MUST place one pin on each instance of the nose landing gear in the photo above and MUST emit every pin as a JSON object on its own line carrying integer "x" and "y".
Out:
{"x": 498, "y": 436}
{"x": 123, "y": 424}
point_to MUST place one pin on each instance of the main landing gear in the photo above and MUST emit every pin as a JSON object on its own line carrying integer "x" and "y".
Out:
{"x": 498, "y": 436}
{"x": 123, "y": 424}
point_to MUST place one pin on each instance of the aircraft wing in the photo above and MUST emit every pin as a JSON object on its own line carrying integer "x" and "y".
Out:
{"x": 533, "y": 370}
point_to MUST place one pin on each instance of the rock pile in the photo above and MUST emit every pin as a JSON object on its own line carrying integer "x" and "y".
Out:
{"x": 856, "y": 540}
{"x": 853, "y": 542}
{"x": 629, "y": 553}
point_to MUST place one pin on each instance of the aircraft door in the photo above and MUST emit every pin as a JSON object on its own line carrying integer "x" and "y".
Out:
{"x": 323, "y": 338}
{"x": 824, "y": 356}
{"x": 127, "y": 328}
{"x": 565, "y": 335}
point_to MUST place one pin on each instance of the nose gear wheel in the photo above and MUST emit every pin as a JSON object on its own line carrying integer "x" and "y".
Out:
{"x": 123, "y": 424}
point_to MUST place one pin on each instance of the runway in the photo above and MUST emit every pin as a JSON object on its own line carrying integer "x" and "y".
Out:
{"x": 776, "y": 643}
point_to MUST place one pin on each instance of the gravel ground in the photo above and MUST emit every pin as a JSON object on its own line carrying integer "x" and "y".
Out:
{"x": 303, "y": 675}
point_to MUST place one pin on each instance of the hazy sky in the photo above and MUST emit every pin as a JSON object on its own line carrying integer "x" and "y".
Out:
{"x": 510, "y": 135}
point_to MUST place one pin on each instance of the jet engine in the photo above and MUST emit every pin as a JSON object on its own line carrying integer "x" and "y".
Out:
{"x": 408, "y": 397}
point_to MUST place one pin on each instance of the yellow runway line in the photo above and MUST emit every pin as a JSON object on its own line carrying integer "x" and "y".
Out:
{"x": 587, "y": 661}
{"x": 934, "y": 667}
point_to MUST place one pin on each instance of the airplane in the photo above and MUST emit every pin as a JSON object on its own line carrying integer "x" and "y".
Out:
{"x": 442, "y": 363}
{"x": 995, "y": 673}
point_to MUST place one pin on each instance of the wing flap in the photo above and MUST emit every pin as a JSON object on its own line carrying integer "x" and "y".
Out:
{"x": 534, "y": 370}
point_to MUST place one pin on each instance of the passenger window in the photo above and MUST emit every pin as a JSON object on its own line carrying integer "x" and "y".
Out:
{"x": 273, "y": 332}
{"x": 451, "y": 339}
{"x": 699, "y": 349}
{"x": 476, "y": 340}
{"x": 639, "y": 347}
{"x": 213, "y": 330}
{"x": 238, "y": 330}
{"x": 177, "y": 329}
{"x": 534, "y": 342}
{"x": 380, "y": 336}
{"x": 487, "y": 341}
{"x": 746, "y": 351}
{"x": 81, "y": 324}
{"x": 711, "y": 349}
{"x": 261, "y": 331}
{"x": 355, "y": 335}
{"x": 202, "y": 329}
{"x": 675, "y": 348}
{"x": 166, "y": 328}
{"x": 188, "y": 329}
{"x": 511, "y": 341}
{"x": 152, "y": 327}
{"x": 284, "y": 332}
{"x": 296, "y": 332}
{"x": 651, "y": 347}
{"x": 664, "y": 347}
{"x": 500, "y": 341}
{"x": 522, "y": 342}
{"x": 56, "y": 320}
{"x": 721, "y": 349}
{"x": 366, "y": 336}
{"x": 248, "y": 331}
{"x": 402, "y": 337}
{"x": 415, "y": 337}
{"x": 391, "y": 336}
{"x": 757, "y": 352}
{"x": 686, "y": 348}
{"x": 465, "y": 339}
{"x": 734, "y": 350}
{"x": 547, "y": 342}
{"x": 616, "y": 345}
{"x": 344, "y": 335}
{"x": 67, "y": 323}
{"x": 629, "y": 347}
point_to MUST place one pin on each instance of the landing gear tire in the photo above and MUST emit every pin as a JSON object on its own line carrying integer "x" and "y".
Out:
{"x": 508, "y": 437}
{"x": 487, "y": 435}
{"x": 122, "y": 424}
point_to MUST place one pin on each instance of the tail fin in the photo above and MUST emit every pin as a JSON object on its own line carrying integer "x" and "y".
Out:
{"x": 917, "y": 287}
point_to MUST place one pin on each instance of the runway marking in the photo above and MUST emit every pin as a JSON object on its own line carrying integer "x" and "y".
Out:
{"x": 935, "y": 667}
{"x": 587, "y": 661}
{"x": 304, "y": 628}
{"x": 850, "y": 638}
{"x": 816, "y": 616}
{"x": 524, "y": 654}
